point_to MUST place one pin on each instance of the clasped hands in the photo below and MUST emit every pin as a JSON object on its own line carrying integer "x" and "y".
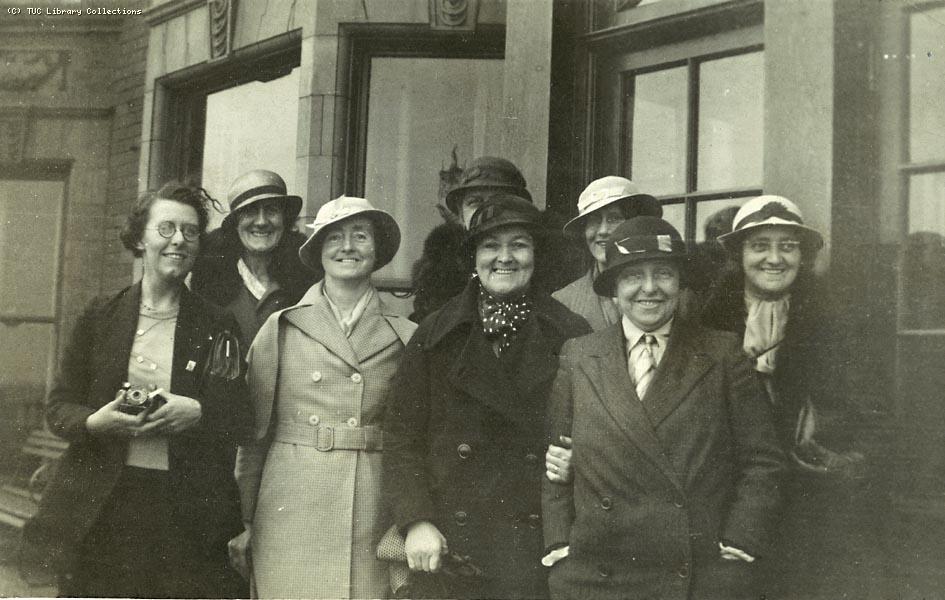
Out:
{"x": 178, "y": 414}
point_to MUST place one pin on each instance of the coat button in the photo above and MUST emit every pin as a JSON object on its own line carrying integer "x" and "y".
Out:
{"x": 317, "y": 376}
{"x": 678, "y": 503}
{"x": 313, "y": 420}
{"x": 356, "y": 377}
{"x": 683, "y": 571}
{"x": 606, "y": 503}
{"x": 531, "y": 458}
{"x": 464, "y": 451}
{"x": 603, "y": 571}
{"x": 461, "y": 517}
{"x": 534, "y": 521}
{"x": 352, "y": 422}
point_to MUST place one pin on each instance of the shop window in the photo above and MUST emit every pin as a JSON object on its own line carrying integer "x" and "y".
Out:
{"x": 420, "y": 100}
{"x": 693, "y": 134}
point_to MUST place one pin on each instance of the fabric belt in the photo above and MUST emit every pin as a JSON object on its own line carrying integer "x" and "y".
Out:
{"x": 325, "y": 437}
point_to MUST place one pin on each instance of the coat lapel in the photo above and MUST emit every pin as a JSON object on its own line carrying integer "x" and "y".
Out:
{"x": 119, "y": 335}
{"x": 314, "y": 318}
{"x": 372, "y": 333}
{"x": 606, "y": 368}
{"x": 684, "y": 363}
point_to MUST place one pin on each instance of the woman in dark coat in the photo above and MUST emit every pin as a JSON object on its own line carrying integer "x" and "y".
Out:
{"x": 769, "y": 296}
{"x": 463, "y": 432}
{"x": 250, "y": 265}
{"x": 145, "y": 501}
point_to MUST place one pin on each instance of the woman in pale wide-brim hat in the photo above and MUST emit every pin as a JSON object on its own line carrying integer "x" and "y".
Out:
{"x": 250, "y": 265}
{"x": 603, "y": 205}
{"x": 463, "y": 432}
{"x": 318, "y": 373}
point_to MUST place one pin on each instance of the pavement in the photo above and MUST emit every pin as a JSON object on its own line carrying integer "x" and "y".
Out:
{"x": 11, "y": 584}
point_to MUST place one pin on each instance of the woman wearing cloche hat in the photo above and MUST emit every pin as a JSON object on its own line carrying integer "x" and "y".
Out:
{"x": 769, "y": 296}
{"x": 250, "y": 265}
{"x": 318, "y": 373}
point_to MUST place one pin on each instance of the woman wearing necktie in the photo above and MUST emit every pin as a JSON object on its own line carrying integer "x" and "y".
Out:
{"x": 310, "y": 483}
{"x": 769, "y": 296}
{"x": 463, "y": 432}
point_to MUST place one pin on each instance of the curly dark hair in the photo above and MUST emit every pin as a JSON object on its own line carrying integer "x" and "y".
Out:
{"x": 197, "y": 198}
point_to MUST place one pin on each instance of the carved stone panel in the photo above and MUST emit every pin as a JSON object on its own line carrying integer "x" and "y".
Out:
{"x": 454, "y": 14}
{"x": 220, "y": 19}
{"x": 24, "y": 70}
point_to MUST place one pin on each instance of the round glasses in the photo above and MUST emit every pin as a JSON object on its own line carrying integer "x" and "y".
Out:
{"x": 167, "y": 229}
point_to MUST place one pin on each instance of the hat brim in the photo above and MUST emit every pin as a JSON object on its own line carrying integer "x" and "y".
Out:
{"x": 386, "y": 239}
{"x": 650, "y": 207}
{"x": 293, "y": 208}
{"x": 452, "y": 197}
{"x": 606, "y": 282}
{"x": 810, "y": 237}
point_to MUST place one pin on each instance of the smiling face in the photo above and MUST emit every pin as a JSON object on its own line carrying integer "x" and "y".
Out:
{"x": 505, "y": 261}
{"x": 261, "y": 225}
{"x": 349, "y": 251}
{"x": 647, "y": 293}
{"x": 771, "y": 258}
{"x": 168, "y": 259}
{"x": 597, "y": 229}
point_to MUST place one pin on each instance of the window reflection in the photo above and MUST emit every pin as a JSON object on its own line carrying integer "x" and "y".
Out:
{"x": 927, "y": 202}
{"x": 927, "y": 86}
{"x": 657, "y": 115}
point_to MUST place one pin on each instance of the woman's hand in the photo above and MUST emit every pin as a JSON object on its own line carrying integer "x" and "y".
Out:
{"x": 179, "y": 413}
{"x": 424, "y": 545}
{"x": 558, "y": 461}
{"x": 240, "y": 551}
{"x": 108, "y": 420}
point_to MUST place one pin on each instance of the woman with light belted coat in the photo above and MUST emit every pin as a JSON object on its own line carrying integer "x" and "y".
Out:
{"x": 310, "y": 485}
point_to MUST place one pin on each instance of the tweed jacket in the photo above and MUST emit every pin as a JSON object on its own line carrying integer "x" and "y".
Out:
{"x": 315, "y": 509}
{"x": 658, "y": 483}
{"x": 579, "y": 296}
{"x": 93, "y": 368}
{"x": 463, "y": 441}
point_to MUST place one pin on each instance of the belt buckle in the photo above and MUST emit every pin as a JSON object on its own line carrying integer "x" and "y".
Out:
{"x": 329, "y": 436}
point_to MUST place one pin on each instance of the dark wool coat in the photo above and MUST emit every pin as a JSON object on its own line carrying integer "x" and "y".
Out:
{"x": 93, "y": 368}
{"x": 659, "y": 483}
{"x": 463, "y": 440}
{"x": 216, "y": 278}
{"x": 442, "y": 270}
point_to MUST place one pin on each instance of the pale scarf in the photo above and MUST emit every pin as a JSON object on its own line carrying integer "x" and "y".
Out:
{"x": 252, "y": 283}
{"x": 764, "y": 330}
{"x": 347, "y": 323}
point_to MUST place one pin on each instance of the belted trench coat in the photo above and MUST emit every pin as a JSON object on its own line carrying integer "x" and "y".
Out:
{"x": 310, "y": 483}
{"x": 463, "y": 440}
{"x": 658, "y": 483}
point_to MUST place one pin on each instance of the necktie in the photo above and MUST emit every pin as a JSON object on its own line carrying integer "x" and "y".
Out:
{"x": 643, "y": 363}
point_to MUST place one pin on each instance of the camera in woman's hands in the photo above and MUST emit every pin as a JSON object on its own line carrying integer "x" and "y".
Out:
{"x": 136, "y": 400}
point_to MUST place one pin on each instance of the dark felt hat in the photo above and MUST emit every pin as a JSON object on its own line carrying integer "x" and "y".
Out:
{"x": 637, "y": 240}
{"x": 500, "y": 211}
{"x": 488, "y": 171}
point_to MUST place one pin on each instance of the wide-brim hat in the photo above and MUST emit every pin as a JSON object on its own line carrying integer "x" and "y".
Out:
{"x": 637, "y": 240}
{"x": 503, "y": 210}
{"x": 490, "y": 172}
{"x": 256, "y": 186}
{"x": 769, "y": 210}
{"x": 386, "y": 230}
{"x": 609, "y": 190}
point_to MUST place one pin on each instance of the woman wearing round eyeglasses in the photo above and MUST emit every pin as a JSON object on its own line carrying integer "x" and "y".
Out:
{"x": 151, "y": 398}
{"x": 768, "y": 294}
{"x": 463, "y": 435}
{"x": 250, "y": 265}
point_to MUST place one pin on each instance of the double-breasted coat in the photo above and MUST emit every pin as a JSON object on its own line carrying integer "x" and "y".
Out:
{"x": 659, "y": 483}
{"x": 201, "y": 459}
{"x": 311, "y": 483}
{"x": 464, "y": 446}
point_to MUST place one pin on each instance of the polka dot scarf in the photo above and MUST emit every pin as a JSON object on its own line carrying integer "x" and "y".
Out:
{"x": 502, "y": 319}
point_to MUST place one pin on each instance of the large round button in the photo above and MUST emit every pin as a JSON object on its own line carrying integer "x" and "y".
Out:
{"x": 683, "y": 570}
{"x": 352, "y": 422}
{"x": 534, "y": 521}
{"x": 603, "y": 571}
{"x": 461, "y": 517}
{"x": 531, "y": 458}
{"x": 317, "y": 376}
{"x": 313, "y": 420}
{"x": 356, "y": 377}
{"x": 606, "y": 503}
{"x": 464, "y": 451}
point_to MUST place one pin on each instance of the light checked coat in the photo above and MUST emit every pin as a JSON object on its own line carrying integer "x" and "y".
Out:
{"x": 579, "y": 296}
{"x": 317, "y": 513}
{"x": 659, "y": 483}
